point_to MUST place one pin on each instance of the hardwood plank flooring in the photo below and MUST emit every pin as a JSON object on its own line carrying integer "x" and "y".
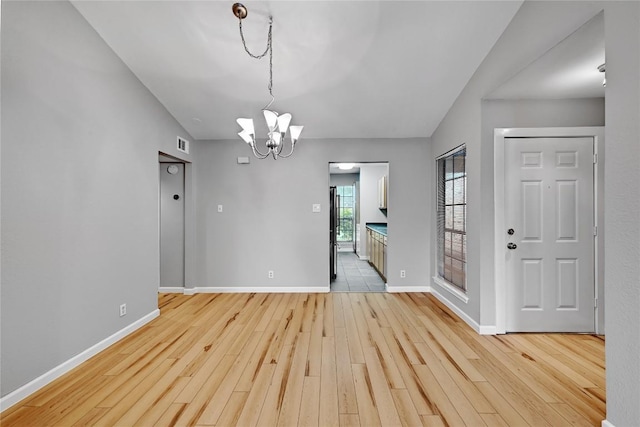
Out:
{"x": 324, "y": 360}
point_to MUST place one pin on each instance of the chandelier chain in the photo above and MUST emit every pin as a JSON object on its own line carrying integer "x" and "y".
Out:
{"x": 269, "y": 50}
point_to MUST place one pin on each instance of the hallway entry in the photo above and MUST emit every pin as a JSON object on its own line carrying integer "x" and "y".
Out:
{"x": 355, "y": 275}
{"x": 171, "y": 224}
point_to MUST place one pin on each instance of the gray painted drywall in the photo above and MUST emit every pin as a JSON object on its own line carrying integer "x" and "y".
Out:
{"x": 80, "y": 142}
{"x": 344, "y": 179}
{"x": 622, "y": 213}
{"x": 520, "y": 44}
{"x": 267, "y": 223}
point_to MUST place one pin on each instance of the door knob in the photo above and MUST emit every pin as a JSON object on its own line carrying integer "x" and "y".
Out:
{"x": 511, "y": 245}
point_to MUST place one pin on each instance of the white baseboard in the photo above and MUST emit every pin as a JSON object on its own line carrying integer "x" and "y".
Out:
{"x": 171, "y": 290}
{"x": 606, "y": 423}
{"x": 258, "y": 290}
{"x": 394, "y": 289}
{"x": 488, "y": 330}
{"x": 480, "y": 329}
{"x": 21, "y": 393}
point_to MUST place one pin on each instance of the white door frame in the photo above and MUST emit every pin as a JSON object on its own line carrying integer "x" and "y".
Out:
{"x": 499, "y": 213}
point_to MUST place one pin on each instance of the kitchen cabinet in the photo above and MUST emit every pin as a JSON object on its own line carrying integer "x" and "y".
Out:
{"x": 377, "y": 250}
{"x": 382, "y": 192}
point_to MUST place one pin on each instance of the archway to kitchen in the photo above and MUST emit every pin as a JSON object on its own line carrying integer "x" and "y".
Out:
{"x": 358, "y": 226}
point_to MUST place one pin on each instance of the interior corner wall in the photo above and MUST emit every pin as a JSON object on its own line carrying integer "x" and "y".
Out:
{"x": 80, "y": 142}
{"x": 622, "y": 213}
{"x": 515, "y": 49}
{"x": 267, "y": 222}
{"x": 520, "y": 44}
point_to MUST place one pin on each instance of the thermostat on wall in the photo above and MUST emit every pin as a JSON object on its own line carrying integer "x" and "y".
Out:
{"x": 243, "y": 160}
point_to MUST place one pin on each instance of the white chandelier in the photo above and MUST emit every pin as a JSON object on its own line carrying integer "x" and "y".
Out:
{"x": 278, "y": 124}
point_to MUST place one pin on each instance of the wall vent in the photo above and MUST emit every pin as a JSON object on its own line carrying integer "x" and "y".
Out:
{"x": 183, "y": 145}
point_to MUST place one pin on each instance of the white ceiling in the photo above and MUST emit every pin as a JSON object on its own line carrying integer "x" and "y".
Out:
{"x": 568, "y": 70}
{"x": 375, "y": 69}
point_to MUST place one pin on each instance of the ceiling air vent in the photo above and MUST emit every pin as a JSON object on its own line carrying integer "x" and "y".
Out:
{"x": 183, "y": 145}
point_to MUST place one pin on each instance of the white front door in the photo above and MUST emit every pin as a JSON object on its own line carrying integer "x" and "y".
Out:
{"x": 549, "y": 207}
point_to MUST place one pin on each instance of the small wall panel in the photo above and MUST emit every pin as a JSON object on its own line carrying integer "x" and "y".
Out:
{"x": 532, "y": 159}
{"x": 567, "y": 283}
{"x": 566, "y": 159}
{"x": 531, "y": 284}
{"x": 567, "y": 210}
{"x": 532, "y": 210}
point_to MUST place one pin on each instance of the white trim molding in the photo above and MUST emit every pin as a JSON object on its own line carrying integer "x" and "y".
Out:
{"x": 606, "y": 423}
{"x": 256, "y": 290}
{"x": 171, "y": 290}
{"x": 398, "y": 289}
{"x": 480, "y": 329}
{"x": 26, "y": 390}
{"x": 455, "y": 291}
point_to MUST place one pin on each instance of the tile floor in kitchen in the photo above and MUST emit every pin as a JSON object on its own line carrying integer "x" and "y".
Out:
{"x": 356, "y": 275}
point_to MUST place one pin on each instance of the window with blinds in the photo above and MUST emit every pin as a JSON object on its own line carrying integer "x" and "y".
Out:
{"x": 451, "y": 217}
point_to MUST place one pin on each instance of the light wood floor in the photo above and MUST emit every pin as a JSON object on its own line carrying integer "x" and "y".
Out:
{"x": 324, "y": 359}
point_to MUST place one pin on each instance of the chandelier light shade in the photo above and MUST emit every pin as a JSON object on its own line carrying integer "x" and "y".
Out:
{"x": 277, "y": 124}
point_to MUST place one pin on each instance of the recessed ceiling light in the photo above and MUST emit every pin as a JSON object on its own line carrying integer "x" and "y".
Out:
{"x": 346, "y": 166}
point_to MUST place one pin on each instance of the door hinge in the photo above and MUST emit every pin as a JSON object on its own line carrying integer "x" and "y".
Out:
{"x": 595, "y": 230}
{"x": 595, "y": 303}
{"x": 595, "y": 158}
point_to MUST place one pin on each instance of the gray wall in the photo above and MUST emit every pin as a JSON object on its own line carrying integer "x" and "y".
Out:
{"x": 267, "y": 223}
{"x": 622, "y": 213}
{"x": 80, "y": 142}
{"x": 464, "y": 124}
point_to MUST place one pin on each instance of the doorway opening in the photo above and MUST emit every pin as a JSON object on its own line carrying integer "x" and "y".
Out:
{"x": 172, "y": 173}
{"x": 357, "y": 208}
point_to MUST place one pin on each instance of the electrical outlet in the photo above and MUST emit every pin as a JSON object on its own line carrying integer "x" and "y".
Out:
{"x": 270, "y": 274}
{"x": 403, "y": 274}
{"x": 123, "y": 309}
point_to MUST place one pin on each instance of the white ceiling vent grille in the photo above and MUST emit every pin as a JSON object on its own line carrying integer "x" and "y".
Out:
{"x": 183, "y": 145}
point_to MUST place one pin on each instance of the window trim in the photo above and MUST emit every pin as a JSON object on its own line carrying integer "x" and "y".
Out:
{"x": 454, "y": 288}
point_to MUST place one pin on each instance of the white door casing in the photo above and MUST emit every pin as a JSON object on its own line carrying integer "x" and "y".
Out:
{"x": 549, "y": 256}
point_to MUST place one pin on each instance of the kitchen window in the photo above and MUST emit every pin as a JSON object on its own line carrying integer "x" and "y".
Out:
{"x": 451, "y": 217}
{"x": 346, "y": 205}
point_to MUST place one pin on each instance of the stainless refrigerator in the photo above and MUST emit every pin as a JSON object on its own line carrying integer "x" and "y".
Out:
{"x": 334, "y": 204}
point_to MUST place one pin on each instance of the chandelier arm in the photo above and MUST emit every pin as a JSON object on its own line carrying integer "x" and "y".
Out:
{"x": 293, "y": 146}
{"x": 273, "y": 98}
{"x": 257, "y": 152}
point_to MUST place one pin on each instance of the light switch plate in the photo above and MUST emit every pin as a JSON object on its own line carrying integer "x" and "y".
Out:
{"x": 219, "y": 208}
{"x": 315, "y": 207}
